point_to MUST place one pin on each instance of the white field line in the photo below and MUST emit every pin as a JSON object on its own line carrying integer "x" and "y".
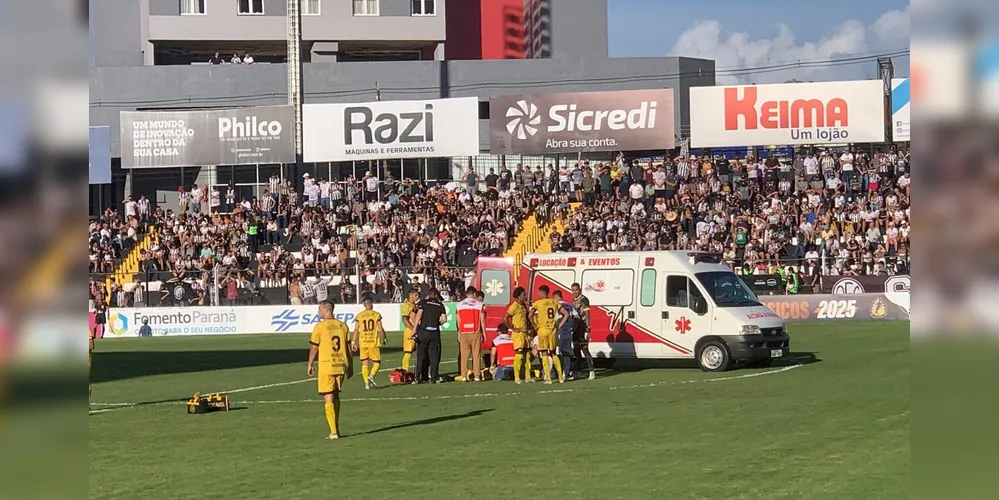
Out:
{"x": 482, "y": 394}
{"x": 118, "y": 406}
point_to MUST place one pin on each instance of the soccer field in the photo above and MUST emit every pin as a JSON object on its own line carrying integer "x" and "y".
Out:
{"x": 832, "y": 425}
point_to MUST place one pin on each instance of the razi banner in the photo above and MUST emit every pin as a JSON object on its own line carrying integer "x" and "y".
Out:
{"x": 628, "y": 120}
{"x": 789, "y": 113}
{"x": 263, "y": 134}
{"x": 900, "y": 109}
{"x": 390, "y": 129}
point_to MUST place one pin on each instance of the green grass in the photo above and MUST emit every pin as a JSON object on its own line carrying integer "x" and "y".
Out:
{"x": 836, "y": 427}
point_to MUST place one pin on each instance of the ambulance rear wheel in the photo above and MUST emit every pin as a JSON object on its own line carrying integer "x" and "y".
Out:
{"x": 713, "y": 357}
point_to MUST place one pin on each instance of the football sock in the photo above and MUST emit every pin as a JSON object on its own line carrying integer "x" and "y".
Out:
{"x": 405, "y": 361}
{"x": 558, "y": 367}
{"x": 374, "y": 367}
{"x": 331, "y": 416}
{"x": 365, "y": 372}
{"x": 336, "y": 410}
{"x": 518, "y": 364}
{"x": 546, "y": 365}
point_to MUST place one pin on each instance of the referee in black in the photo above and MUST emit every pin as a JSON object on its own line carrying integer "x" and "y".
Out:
{"x": 430, "y": 315}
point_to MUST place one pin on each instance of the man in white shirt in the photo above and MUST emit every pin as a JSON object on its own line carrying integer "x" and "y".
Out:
{"x": 370, "y": 186}
{"x": 196, "y": 199}
{"x": 811, "y": 167}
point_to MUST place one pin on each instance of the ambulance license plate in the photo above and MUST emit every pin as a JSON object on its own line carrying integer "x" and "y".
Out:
{"x": 776, "y": 353}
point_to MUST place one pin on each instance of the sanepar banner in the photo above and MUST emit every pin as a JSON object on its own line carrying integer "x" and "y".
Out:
{"x": 619, "y": 120}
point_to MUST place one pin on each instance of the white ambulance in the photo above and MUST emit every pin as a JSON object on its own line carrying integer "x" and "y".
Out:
{"x": 656, "y": 305}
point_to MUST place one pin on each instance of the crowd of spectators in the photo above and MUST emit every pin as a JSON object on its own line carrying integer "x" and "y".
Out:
{"x": 382, "y": 233}
{"x": 830, "y": 213}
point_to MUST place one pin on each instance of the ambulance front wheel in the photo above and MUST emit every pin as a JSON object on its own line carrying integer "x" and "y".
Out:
{"x": 713, "y": 356}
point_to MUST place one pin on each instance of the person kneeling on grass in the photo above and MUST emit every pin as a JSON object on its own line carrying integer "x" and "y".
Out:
{"x": 501, "y": 354}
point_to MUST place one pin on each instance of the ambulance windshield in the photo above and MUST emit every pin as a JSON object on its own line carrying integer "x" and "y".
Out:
{"x": 727, "y": 289}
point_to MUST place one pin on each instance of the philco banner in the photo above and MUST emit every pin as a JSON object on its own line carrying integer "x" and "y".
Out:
{"x": 620, "y": 120}
{"x": 787, "y": 113}
{"x": 821, "y": 308}
{"x": 390, "y": 129}
{"x": 238, "y": 136}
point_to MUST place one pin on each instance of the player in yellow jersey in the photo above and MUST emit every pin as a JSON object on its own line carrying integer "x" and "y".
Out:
{"x": 548, "y": 316}
{"x": 368, "y": 331}
{"x": 408, "y": 344}
{"x": 329, "y": 341}
{"x": 516, "y": 320}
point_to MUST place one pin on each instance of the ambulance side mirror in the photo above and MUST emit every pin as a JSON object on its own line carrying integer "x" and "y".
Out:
{"x": 700, "y": 307}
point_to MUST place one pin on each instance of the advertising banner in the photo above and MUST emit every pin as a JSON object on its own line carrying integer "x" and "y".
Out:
{"x": 100, "y": 155}
{"x": 239, "y": 136}
{"x": 900, "y": 109}
{"x": 787, "y": 113}
{"x": 856, "y": 307}
{"x": 301, "y": 319}
{"x": 390, "y": 129}
{"x": 846, "y": 285}
{"x": 175, "y": 321}
{"x": 619, "y": 120}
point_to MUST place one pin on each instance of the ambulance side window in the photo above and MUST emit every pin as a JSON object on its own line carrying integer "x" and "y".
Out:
{"x": 648, "y": 295}
{"x": 677, "y": 291}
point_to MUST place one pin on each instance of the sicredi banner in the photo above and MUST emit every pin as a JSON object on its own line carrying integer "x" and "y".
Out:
{"x": 262, "y": 134}
{"x": 629, "y": 120}
{"x": 789, "y": 113}
{"x": 390, "y": 129}
{"x": 900, "y": 120}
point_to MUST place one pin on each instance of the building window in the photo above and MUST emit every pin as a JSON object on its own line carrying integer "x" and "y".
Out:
{"x": 365, "y": 7}
{"x": 311, "y": 7}
{"x": 192, "y": 7}
{"x": 424, "y": 7}
{"x": 250, "y": 7}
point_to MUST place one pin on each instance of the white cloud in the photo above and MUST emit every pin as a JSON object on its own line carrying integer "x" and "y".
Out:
{"x": 736, "y": 50}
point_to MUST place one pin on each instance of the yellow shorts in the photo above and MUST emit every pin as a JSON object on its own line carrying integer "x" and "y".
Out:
{"x": 521, "y": 341}
{"x": 408, "y": 345}
{"x": 546, "y": 340}
{"x": 373, "y": 353}
{"x": 329, "y": 383}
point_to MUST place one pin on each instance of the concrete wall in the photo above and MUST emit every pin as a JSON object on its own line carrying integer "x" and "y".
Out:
{"x": 119, "y": 32}
{"x": 336, "y": 22}
{"x": 113, "y": 89}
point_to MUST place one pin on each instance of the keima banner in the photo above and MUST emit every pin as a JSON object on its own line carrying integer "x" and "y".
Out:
{"x": 788, "y": 113}
{"x": 239, "y": 136}
{"x": 620, "y": 120}
{"x": 390, "y": 129}
{"x": 100, "y": 155}
{"x": 900, "y": 120}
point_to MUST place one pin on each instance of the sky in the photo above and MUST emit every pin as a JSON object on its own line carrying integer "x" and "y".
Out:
{"x": 807, "y": 40}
